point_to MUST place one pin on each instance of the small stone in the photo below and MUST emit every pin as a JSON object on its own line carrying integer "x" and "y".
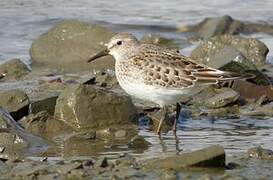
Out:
{"x": 260, "y": 153}
{"x": 13, "y": 69}
{"x": 138, "y": 142}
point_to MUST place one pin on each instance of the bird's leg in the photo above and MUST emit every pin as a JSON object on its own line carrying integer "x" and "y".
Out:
{"x": 162, "y": 119}
{"x": 178, "y": 108}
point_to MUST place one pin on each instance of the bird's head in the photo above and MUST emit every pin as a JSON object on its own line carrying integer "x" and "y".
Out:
{"x": 119, "y": 46}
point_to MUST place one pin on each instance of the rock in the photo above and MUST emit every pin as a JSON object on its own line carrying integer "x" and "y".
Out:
{"x": 214, "y": 26}
{"x": 224, "y": 97}
{"x": 68, "y": 45}
{"x": 13, "y": 69}
{"x": 139, "y": 143}
{"x": 15, "y": 102}
{"x": 46, "y": 103}
{"x": 44, "y": 125}
{"x": 84, "y": 106}
{"x": 210, "y": 27}
{"x": 264, "y": 111}
{"x": 213, "y": 156}
{"x": 159, "y": 40}
{"x": 102, "y": 162}
{"x": 260, "y": 153}
{"x": 215, "y": 98}
{"x": 251, "y": 91}
{"x": 252, "y": 49}
{"x": 120, "y": 134}
{"x": 50, "y": 79}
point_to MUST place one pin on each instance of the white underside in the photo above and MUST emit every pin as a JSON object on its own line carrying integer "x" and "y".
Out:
{"x": 160, "y": 96}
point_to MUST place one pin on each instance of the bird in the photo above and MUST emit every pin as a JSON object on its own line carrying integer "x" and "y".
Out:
{"x": 159, "y": 74}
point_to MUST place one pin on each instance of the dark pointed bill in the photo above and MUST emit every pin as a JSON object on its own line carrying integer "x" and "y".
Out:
{"x": 104, "y": 52}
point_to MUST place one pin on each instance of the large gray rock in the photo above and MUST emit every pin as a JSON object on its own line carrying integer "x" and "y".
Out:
{"x": 213, "y": 156}
{"x": 68, "y": 45}
{"x": 254, "y": 50}
{"x": 15, "y": 102}
{"x": 214, "y": 26}
{"x": 84, "y": 106}
{"x": 14, "y": 69}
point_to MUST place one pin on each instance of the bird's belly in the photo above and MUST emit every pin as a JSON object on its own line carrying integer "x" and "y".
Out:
{"x": 160, "y": 96}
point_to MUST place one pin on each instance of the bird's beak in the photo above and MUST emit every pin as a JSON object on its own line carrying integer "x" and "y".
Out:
{"x": 104, "y": 52}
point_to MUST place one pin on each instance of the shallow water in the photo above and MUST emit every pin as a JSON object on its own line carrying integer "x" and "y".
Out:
{"x": 23, "y": 21}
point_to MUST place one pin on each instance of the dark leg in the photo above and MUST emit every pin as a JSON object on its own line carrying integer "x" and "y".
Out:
{"x": 162, "y": 119}
{"x": 178, "y": 108}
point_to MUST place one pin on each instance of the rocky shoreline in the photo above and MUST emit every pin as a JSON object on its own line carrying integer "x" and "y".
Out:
{"x": 80, "y": 110}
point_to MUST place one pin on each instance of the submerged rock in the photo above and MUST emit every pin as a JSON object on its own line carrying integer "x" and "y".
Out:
{"x": 252, "y": 49}
{"x": 68, "y": 45}
{"x": 84, "y": 106}
{"x": 13, "y": 69}
{"x": 15, "y": 102}
{"x": 260, "y": 153}
{"x": 213, "y": 156}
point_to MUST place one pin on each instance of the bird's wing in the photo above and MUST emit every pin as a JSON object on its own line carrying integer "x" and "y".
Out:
{"x": 166, "y": 68}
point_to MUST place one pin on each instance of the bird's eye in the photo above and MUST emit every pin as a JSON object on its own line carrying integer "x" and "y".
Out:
{"x": 119, "y": 42}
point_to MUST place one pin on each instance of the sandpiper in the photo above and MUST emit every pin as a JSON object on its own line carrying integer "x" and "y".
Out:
{"x": 158, "y": 74}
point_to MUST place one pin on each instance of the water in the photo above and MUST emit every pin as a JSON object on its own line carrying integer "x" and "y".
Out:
{"x": 22, "y": 21}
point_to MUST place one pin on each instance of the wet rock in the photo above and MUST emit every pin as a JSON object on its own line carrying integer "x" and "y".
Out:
{"x": 54, "y": 48}
{"x": 44, "y": 103}
{"x": 44, "y": 125}
{"x": 251, "y": 91}
{"x": 264, "y": 111}
{"x": 223, "y": 97}
{"x": 214, "y": 26}
{"x": 159, "y": 40}
{"x": 15, "y": 102}
{"x": 27, "y": 169}
{"x": 83, "y": 106}
{"x": 260, "y": 153}
{"x": 215, "y": 98}
{"x": 139, "y": 143}
{"x": 210, "y": 27}
{"x": 102, "y": 162}
{"x": 252, "y": 49}
{"x": 213, "y": 156}
{"x": 13, "y": 69}
{"x": 50, "y": 79}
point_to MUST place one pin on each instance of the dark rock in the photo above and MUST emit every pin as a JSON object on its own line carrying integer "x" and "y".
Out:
{"x": 83, "y": 106}
{"x": 67, "y": 168}
{"x": 213, "y": 156}
{"x": 260, "y": 153}
{"x": 139, "y": 143}
{"x": 159, "y": 40}
{"x": 46, "y": 103}
{"x": 252, "y": 49}
{"x": 214, "y": 26}
{"x": 15, "y": 102}
{"x": 68, "y": 45}
{"x": 13, "y": 69}
{"x": 102, "y": 162}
